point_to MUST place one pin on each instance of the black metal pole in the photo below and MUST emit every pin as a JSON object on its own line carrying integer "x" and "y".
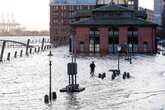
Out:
{"x": 118, "y": 61}
{"x": 50, "y": 83}
{"x": 130, "y": 59}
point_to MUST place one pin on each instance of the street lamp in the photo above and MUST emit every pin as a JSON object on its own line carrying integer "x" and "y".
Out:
{"x": 51, "y": 95}
{"x": 118, "y": 49}
{"x": 130, "y": 59}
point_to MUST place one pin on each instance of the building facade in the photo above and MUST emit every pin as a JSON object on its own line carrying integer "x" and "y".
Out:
{"x": 61, "y": 12}
{"x": 112, "y": 26}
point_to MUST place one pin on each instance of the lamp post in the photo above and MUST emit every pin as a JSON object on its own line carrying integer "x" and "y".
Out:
{"x": 50, "y": 75}
{"x": 52, "y": 95}
{"x": 118, "y": 49}
{"x": 130, "y": 59}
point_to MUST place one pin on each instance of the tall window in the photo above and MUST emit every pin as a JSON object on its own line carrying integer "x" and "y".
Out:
{"x": 133, "y": 39}
{"x": 113, "y": 39}
{"x": 94, "y": 35}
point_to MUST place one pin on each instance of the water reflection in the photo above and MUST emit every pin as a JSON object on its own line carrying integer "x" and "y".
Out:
{"x": 72, "y": 102}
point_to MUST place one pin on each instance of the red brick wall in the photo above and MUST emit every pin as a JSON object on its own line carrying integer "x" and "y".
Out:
{"x": 103, "y": 40}
{"x": 146, "y": 34}
{"x": 82, "y": 34}
{"x": 123, "y": 35}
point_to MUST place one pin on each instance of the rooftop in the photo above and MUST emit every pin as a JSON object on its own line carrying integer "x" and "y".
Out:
{"x": 113, "y": 7}
{"x": 114, "y": 21}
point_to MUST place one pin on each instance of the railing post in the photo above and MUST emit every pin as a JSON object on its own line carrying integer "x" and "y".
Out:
{"x": 27, "y": 46}
{"x": 2, "y": 50}
{"x": 42, "y": 46}
{"x": 21, "y": 53}
{"x": 8, "y": 56}
{"x": 15, "y": 54}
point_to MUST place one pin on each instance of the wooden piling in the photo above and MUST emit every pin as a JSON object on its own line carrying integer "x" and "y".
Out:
{"x": 42, "y": 45}
{"x": 15, "y": 54}
{"x": 2, "y": 51}
{"x": 27, "y": 46}
{"x": 8, "y": 56}
{"x": 21, "y": 53}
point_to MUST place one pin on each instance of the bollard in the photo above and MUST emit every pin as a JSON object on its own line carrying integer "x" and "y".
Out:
{"x": 99, "y": 75}
{"x": 128, "y": 75}
{"x": 113, "y": 76}
{"x": 104, "y": 75}
{"x": 46, "y": 99}
{"x": 124, "y": 75}
{"x": 30, "y": 51}
{"x": 54, "y": 95}
{"x": 8, "y": 56}
{"x": 15, "y": 54}
{"x": 21, "y": 53}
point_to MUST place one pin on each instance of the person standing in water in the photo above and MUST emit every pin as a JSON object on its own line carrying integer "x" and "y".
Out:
{"x": 92, "y": 67}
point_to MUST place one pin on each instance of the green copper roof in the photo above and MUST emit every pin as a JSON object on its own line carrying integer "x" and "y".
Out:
{"x": 114, "y": 21}
{"x": 113, "y": 7}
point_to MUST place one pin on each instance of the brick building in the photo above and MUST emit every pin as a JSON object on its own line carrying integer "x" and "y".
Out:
{"x": 113, "y": 25}
{"x": 61, "y": 12}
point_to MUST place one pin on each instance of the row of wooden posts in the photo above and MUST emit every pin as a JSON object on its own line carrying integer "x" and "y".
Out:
{"x": 28, "y": 47}
{"x": 36, "y": 50}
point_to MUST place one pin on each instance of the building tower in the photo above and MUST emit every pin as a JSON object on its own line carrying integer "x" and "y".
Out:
{"x": 163, "y": 18}
{"x": 158, "y": 7}
{"x": 61, "y": 12}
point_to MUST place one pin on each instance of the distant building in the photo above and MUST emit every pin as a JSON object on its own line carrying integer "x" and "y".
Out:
{"x": 132, "y": 3}
{"x": 158, "y": 7}
{"x": 61, "y": 12}
{"x": 111, "y": 26}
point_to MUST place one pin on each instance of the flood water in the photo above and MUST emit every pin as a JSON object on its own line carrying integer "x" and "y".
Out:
{"x": 24, "y": 82}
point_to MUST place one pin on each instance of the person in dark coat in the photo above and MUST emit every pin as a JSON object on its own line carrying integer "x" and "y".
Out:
{"x": 92, "y": 67}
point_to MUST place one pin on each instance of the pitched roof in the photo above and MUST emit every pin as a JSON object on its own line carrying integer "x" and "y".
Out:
{"x": 114, "y": 21}
{"x": 112, "y": 7}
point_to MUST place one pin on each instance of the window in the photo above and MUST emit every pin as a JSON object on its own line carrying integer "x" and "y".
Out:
{"x": 133, "y": 39}
{"x": 113, "y": 39}
{"x": 94, "y": 35}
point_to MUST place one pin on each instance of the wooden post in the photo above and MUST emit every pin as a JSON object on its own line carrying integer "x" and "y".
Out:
{"x": 21, "y": 53}
{"x": 30, "y": 50}
{"x": 27, "y": 46}
{"x": 2, "y": 50}
{"x": 38, "y": 49}
{"x": 15, "y": 54}
{"x": 8, "y": 56}
{"x": 35, "y": 50}
{"x": 42, "y": 46}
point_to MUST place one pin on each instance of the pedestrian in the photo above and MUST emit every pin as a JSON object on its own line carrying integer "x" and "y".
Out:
{"x": 92, "y": 67}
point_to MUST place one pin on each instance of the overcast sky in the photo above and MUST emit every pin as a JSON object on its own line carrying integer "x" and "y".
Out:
{"x": 34, "y": 14}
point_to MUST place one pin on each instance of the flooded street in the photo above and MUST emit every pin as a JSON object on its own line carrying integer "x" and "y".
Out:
{"x": 24, "y": 82}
